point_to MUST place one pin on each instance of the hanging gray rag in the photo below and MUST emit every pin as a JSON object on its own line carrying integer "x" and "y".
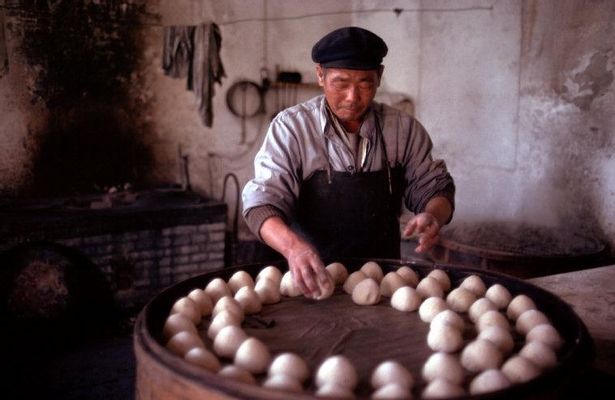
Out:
{"x": 4, "y": 55}
{"x": 193, "y": 52}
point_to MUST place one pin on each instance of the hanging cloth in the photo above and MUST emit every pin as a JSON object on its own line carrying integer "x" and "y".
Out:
{"x": 193, "y": 52}
{"x": 4, "y": 56}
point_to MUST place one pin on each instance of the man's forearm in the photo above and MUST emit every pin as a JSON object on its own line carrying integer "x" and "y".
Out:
{"x": 440, "y": 208}
{"x": 279, "y": 236}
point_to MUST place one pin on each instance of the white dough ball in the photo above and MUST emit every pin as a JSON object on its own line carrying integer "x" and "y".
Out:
{"x": 442, "y": 277}
{"x": 228, "y": 340}
{"x": 217, "y": 288}
{"x": 429, "y": 287}
{"x": 326, "y": 289}
{"x": 372, "y": 270}
{"x": 366, "y": 292}
{"x": 540, "y": 354}
{"x": 290, "y": 364}
{"x": 228, "y": 303}
{"x": 224, "y": 318}
{"x": 442, "y": 389}
{"x": 481, "y": 355}
{"x": 337, "y": 370}
{"x": 270, "y": 272}
{"x": 237, "y": 374}
{"x": 546, "y": 334}
{"x": 247, "y": 297}
{"x": 430, "y": 307}
{"x": 352, "y": 281}
{"x": 492, "y": 318}
{"x": 338, "y": 272}
{"x": 475, "y": 285}
{"x": 499, "y": 295}
{"x": 335, "y": 391}
{"x": 445, "y": 366}
{"x": 182, "y": 342}
{"x": 518, "y": 305}
{"x": 408, "y": 275}
{"x": 445, "y": 338}
{"x": 499, "y": 336}
{"x": 253, "y": 356}
{"x": 283, "y": 382}
{"x": 530, "y": 319}
{"x": 202, "y": 300}
{"x": 240, "y": 279}
{"x": 489, "y": 381}
{"x": 479, "y": 307}
{"x": 391, "y": 372}
{"x": 177, "y": 323}
{"x": 519, "y": 369}
{"x": 392, "y": 391}
{"x": 203, "y": 358}
{"x": 405, "y": 299}
{"x": 390, "y": 283}
{"x": 268, "y": 291}
{"x": 188, "y": 307}
{"x": 460, "y": 299}
{"x": 288, "y": 287}
{"x": 449, "y": 318}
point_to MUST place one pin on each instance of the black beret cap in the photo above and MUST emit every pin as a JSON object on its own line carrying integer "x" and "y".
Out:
{"x": 350, "y": 47}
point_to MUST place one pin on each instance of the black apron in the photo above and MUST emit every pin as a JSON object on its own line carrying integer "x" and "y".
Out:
{"x": 346, "y": 214}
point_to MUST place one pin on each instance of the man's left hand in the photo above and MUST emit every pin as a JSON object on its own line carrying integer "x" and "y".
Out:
{"x": 427, "y": 228}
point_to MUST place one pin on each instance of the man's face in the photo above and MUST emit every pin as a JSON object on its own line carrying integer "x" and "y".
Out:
{"x": 349, "y": 92}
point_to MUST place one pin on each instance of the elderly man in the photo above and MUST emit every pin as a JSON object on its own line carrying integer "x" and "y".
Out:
{"x": 332, "y": 171}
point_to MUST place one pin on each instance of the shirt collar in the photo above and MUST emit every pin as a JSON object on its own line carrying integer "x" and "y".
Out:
{"x": 368, "y": 128}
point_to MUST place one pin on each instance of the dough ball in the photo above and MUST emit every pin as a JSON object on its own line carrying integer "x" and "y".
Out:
{"x": 253, "y": 356}
{"x": 540, "y": 354}
{"x": 283, "y": 382}
{"x": 338, "y": 272}
{"x": 366, "y": 292}
{"x": 270, "y": 272}
{"x": 489, "y": 381}
{"x": 518, "y": 305}
{"x": 177, "y": 323}
{"x": 475, "y": 285}
{"x": 448, "y": 318}
{"x": 228, "y": 340}
{"x": 519, "y": 369}
{"x": 228, "y": 303}
{"x": 481, "y": 355}
{"x": 372, "y": 270}
{"x": 335, "y": 391}
{"x": 529, "y": 319}
{"x": 352, "y": 281}
{"x": 430, "y": 307}
{"x": 182, "y": 342}
{"x": 268, "y": 291}
{"x": 203, "y": 358}
{"x": 429, "y": 287}
{"x": 442, "y": 389}
{"x": 499, "y": 295}
{"x": 290, "y": 364}
{"x": 240, "y": 279}
{"x": 546, "y": 334}
{"x": 202, "y": 300}
{"x": 479, "y": 307}
{"x": 445, "y": 366}
{"x": 224, "y": 318}
{"x": 247, "y": 297}
{"x": 390, "y": 283}
{"x": 492, "y": 318}
{"x": 408, "y": 275}
{"x": 392, "y": 391}
{"x": 188, "y": 307}
{"x": 337, "y": 370}
{"x": 217, "y": 288}
{"x": 388, "y": 372}
{"x": 460, "y": 299}
{"x": 405, "y": 299}
{"x": 326, "y": 290}
{"x": 442, "y": 277}
{"x": 237, "y": 374}
{"x": 445, "y": 338}
{"x": 499, "y": 336}
{"x": 287, "y": 286}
